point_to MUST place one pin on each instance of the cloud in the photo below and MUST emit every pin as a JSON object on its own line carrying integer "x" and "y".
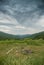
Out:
{"x": 8, "y": 19}
{"x": 4, "y": 28}
{"x": 41, "y": 21}
{"x": 22, "y": 16}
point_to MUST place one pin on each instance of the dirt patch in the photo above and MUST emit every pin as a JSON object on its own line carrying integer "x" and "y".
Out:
{"x": 27, "y": 51}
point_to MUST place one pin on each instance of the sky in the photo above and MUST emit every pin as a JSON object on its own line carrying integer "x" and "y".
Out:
{"x": 21, "y": 16}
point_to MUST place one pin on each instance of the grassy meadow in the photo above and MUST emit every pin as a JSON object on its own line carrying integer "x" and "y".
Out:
{"x": 22, "y": 52}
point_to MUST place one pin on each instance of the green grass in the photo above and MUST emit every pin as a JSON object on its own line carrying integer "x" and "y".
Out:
{"x": 17, "y": 57}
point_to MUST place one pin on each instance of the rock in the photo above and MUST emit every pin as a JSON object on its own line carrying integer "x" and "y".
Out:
{"x": 27, "y": 51}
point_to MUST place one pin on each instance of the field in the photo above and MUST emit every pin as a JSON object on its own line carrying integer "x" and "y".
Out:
{"x": 22, "y": 52}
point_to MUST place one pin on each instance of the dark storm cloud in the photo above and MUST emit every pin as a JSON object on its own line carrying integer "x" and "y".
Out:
{"x": 2, "y": 1}
{"x": 25, "y": 5}
{"x": 22, "y": 8}
{"x": 26, "y": 12}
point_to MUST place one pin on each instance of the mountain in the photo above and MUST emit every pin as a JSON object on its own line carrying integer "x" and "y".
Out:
{"x": 6, "y": 36}
{"x": 10, "y": 36}
{"x": 39, "y": 35}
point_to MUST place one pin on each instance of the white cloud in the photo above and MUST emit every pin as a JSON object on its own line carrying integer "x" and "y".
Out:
{"x": 41, "y": 21}
{"x": 4, "y": 28}
{"x": 8, "y": 19}
{"x": 17, "y": 28}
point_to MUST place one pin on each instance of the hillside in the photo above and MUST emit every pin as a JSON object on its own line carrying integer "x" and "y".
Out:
{"x": 39, "y": 35}
{"x": 7, "y": 36}
{"x": 10, "y": 36}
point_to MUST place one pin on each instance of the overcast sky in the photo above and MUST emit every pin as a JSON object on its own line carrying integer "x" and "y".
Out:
{"x": 21, "y": 16}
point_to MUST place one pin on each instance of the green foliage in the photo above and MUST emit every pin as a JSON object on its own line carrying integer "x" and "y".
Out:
{"x": 24, "y": 41}
{"x": 4, "y": 36}
{"x": 16, "y": 57}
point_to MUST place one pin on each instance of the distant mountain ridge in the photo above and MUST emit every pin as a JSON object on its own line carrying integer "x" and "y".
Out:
{"x": 10, "y": 36}
{"x": 39, "y": 35}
